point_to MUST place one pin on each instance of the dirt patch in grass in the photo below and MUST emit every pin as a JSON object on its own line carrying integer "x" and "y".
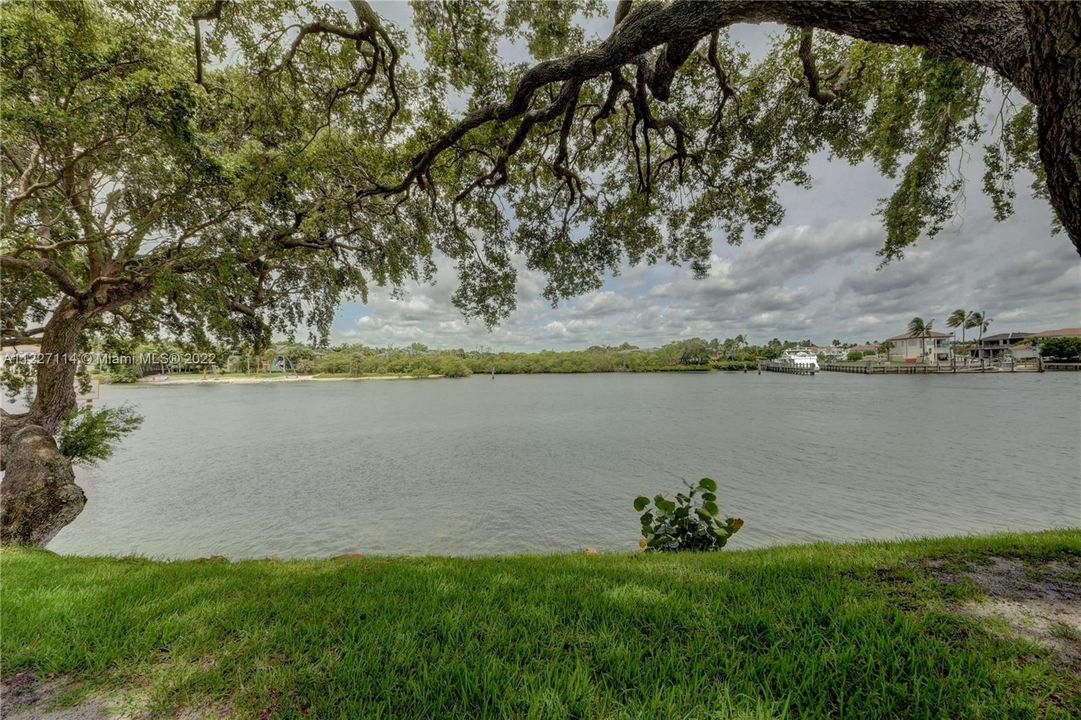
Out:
{"x": 1039, "y": 601}
{"x": 25, "y": 696}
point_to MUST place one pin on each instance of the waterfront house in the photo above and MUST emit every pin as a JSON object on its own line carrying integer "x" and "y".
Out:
{"x": 927, "y": 347}
{"x": 830, "y": 352}
{"x": 276, "y": 363}
{"x": 1028, "y": 349}
{"x": 1025, "y": 350}
{"x": 995, "y": 347}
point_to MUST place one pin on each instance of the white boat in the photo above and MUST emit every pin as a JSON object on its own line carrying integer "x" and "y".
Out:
{"x": 799, "y": 359}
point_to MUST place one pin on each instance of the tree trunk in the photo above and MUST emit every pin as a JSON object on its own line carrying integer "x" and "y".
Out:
{"x": 39, "y": 495}
{"x": 54, "y": 395}
{"x": 1054, "y": 30}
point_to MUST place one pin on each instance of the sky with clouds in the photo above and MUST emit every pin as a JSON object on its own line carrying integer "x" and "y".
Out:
{"x": 815, "y": 276}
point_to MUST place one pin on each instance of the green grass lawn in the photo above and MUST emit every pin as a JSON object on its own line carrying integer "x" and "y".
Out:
{"x": 852, "y": 631}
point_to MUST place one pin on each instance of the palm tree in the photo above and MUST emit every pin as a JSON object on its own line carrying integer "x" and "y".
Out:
{"x": 887, "y": 346}
{"x": 973, "y": 319}
{"x": 958, "y": 318}
{"x": 978, "y": 320}
{"x": 920, "y": 328}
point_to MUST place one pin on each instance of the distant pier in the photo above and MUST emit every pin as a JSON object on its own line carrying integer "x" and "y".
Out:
{"x": 914, "y": 369}
{"x": 869, "y": 369}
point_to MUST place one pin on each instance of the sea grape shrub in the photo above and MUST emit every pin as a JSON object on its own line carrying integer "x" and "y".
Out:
{"x": 690, "y": 522}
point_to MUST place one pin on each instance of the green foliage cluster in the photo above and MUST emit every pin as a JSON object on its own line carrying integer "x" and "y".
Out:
{"x": 1061, "y": 348}
{"x": 690, "y": 522}
{"x": 17, "y": 379}
{"x": 854, "y": 356}
{"x": 88, "y": 435}
{"x": 419, "y": 359}
{"x": 126, "y": 360}
{"x": 122, "y": 374}
{"x": 360, "y": 360}
{"x": 732, "y": 365}
{"x": 221, "y": 208}
{"x": 693, "y": 354}
{"x": 596, "y": 359}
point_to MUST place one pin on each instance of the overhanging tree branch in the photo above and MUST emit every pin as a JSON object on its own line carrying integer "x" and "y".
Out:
{"x": 64, "y": 281}
{"x": 990, "y": 34}
{"x": 985, "y": 33}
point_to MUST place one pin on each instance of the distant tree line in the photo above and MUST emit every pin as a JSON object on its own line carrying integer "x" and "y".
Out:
{"x": 419, "y": 360}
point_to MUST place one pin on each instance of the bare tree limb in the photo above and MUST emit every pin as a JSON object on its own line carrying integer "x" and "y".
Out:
{"x": 212, "y": 14}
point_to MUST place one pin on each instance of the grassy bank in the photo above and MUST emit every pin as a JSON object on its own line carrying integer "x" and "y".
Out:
{"x": 873, "y": 630}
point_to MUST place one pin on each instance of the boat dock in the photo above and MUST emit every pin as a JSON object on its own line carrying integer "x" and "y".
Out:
{"x": 773, "y": 366}
{"x": 869, "y": 369}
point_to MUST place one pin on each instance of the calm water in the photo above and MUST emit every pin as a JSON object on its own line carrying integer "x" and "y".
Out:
{"x": 552, "y": 463}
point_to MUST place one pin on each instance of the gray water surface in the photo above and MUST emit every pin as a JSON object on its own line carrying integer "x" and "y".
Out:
{"x": 547, "y": 463}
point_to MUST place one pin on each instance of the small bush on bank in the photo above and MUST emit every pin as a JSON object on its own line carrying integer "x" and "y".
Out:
{"x": 690, "y": 522}
{"x": 89, "y": 435}
{"x": 733, "y": 365}
{"x": 122, "y": 374}
{"x": 453, "y": 368}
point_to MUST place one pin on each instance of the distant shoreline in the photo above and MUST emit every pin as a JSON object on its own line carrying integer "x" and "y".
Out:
{"x": 315, "y": 377}
{"x": 185, "y": 379}
{"x": 256, "y": 380}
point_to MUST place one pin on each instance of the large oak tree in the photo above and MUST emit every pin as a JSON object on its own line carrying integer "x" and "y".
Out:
{"x": 231, "y": 170}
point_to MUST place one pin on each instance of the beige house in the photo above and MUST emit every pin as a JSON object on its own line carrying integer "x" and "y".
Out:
{"x": 1028, "y": 348}
{"x": 927, "y": 348}
{"x": 1004, "y": 347}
